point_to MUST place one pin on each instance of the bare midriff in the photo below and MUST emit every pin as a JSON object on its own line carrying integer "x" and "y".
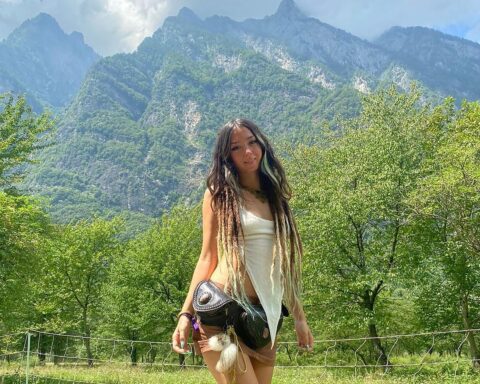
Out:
{"x": 220, "y": 278}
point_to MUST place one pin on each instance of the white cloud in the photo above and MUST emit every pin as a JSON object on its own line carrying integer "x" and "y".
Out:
{"x": 112, "y": 26}
{"x": 120, "y": 25}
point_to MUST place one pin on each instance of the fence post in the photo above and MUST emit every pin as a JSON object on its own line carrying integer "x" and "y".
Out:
{"x": 29, "y": 335}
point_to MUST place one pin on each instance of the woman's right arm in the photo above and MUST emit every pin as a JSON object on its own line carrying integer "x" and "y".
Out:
{"x": 205, "y": 266}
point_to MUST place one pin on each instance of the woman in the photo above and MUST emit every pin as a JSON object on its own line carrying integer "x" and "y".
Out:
{"x": 251, "y": 249}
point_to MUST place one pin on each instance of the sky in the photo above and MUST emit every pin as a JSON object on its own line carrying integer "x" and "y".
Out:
{"x": 113, "y": 26}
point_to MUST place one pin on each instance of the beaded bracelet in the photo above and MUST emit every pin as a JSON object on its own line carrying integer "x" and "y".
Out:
{"x": 192, "y": 319}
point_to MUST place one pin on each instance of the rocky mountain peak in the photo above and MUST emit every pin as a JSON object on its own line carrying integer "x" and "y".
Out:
{"x": 77, "y": 37}
{"x": 50, "y": 63}
{"x": 44, "y": 29}
{"x": 43, "y": 19}
{"x": 30, "y": 28}
{"x": 188, "y": 15}
{"x": 185, "y": 18}
{"x": 288, "y": 9}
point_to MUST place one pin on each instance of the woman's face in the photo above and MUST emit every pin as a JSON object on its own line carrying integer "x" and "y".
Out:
{"x": 245, "y": 150}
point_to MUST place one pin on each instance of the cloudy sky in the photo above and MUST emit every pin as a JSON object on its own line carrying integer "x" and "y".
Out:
{"x": 112, "y": 26}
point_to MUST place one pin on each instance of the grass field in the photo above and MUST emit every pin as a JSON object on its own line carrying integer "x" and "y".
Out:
{"x": 325, "y": 365}
{"x": 12, "y": 373}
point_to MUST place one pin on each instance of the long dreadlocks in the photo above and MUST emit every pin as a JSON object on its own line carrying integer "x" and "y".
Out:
{"x": 223, "y": 183}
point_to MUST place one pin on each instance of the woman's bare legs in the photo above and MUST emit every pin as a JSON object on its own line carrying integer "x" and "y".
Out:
{"x": 264, "y": 373}
{"x": 211, "y": 358}
{"x": 242, "y": 375}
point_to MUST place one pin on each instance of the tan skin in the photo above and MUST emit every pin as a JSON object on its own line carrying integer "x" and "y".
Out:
{"x": 246, "y": 155}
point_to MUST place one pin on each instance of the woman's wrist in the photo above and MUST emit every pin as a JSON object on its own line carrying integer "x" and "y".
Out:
{"x": 191, "y": 319}
{"x": 185, "y": 313}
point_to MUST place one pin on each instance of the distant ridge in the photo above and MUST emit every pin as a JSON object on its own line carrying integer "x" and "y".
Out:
{"x": 443, "y": 62}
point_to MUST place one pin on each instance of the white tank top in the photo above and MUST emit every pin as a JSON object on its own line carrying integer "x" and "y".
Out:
{"x": 258, "y": 249}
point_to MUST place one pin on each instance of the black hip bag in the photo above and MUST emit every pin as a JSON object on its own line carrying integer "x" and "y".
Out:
{"x": 214, "y": 307}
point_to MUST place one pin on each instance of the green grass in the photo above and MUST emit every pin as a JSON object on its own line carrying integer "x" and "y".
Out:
{"x": 121, "y": 374}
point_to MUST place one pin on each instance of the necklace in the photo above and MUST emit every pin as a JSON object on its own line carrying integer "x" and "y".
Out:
{"x": 258, "y": 193}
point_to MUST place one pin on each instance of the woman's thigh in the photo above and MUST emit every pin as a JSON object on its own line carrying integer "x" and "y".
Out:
{"x": 210, "y": 358}
{"x": 264, "y": 373}
{"x": 244, "y": 373}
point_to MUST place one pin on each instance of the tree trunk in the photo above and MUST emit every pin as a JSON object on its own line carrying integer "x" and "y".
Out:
{"x": 87, "y": 334}
{"x": 474, "y": 353}
{"x": 369, "y": 298}
{"x": 133, "y": 355}
{"x": 378, "y": 347}
{"x": 133, "y": 335}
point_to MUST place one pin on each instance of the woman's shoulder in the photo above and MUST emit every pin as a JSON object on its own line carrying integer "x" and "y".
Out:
{"x": 208, "y": 199}
{"x": 208, "y": 193}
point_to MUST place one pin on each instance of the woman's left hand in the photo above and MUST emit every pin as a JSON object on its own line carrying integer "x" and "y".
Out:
{"x": 304, "y": 335}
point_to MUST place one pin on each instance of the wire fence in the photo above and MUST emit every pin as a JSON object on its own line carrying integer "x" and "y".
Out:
{"x": 26, "y": 356}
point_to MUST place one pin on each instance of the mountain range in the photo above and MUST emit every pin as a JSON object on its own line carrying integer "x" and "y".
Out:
{"x": 138, "y": 133}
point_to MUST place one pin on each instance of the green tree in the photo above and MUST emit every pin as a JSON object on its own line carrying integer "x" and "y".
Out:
{"x": 24, "y": 226}
{"x": 148, "y": 283}
{"x": 23, "y": 223}
{"x": 448, "y": 201}
{"x": 350, "y": 195}
{"x": 21, "y": 133}
{"x": 77, "y": 268}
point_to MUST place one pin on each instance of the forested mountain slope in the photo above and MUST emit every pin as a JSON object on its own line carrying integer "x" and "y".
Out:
{"x": 138, "y": 134}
